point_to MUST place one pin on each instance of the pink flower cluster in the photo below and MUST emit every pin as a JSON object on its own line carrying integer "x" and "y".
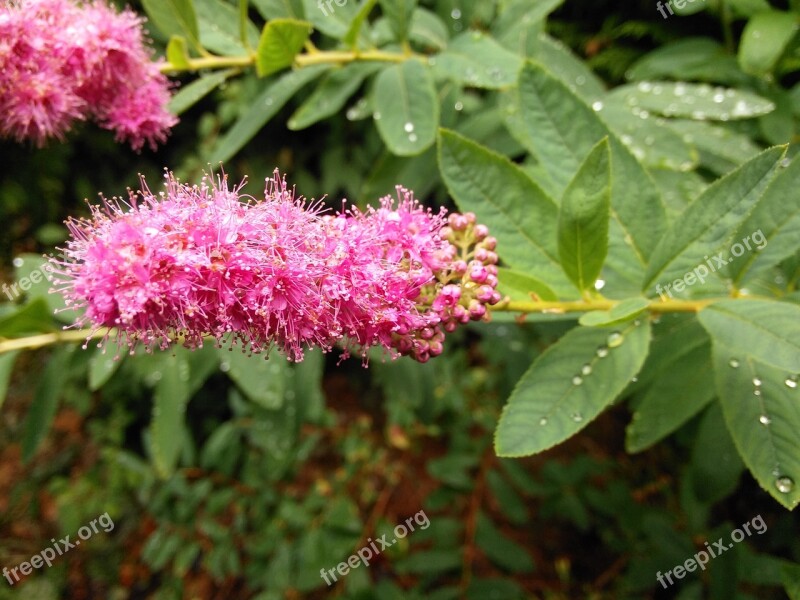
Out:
{"x": 195, "y": 262}
{"x": 62, "y": 61}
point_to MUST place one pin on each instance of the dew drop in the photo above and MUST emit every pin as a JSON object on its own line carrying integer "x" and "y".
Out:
{"x": 602, "y": 352}
{"x": 757, "y": 382}
{"x": 586, "y": 369}
{"x": 734, "y": 363}
{"x": 615, "y": 339}
{"x": 784, "y": 485}
{"x": 791, "y": 382}
{"x": 577, "y": 380}
{"x": 408, "y": 127}
{"x": 644, "y": 86}
{"x": 18, "y": 262}
{"x": 634, "y": 379}
{"x": 377, "y": 116}
{"x": 577, "y": 417}
{"x": 718, "y": 97}
{"x": 580, "y": 80}
{"x": 543, "y": 421}
{"x": 785, "y": 162}
{"x": 224, "y": 366}
{"x": 599, "y": 284}
{"x": 597, "y": 106}
{"x": 764, "y": 420}
{"x": 459, "y": 106}
{"x": 412, "y": 137}
{"x": 455, "y": 13}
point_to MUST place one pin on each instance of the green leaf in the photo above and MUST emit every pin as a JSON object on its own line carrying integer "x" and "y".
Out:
{"x": 691, "y": 59}
{"x": 34, "y": 317}
{"x": 281, "y": 40}
{"x": 170, "y": 397}
{"x": 715, "y": 468}
{"x": 570, "y": 69}
{"x": 764, "y": 40}
{"x": 354, "y": 31}
{"x": 406, "y": 107}
{"x": 568, "y": 386}
{"x": 332, "y": 17}
{"x": 189, "y": 95}
{"x": 518, "y": 213}
{"x": 583, "y": 219}
{"x": 624, "y": 311}
{"x": 105, "y": 361}
{"x": 670, "y": 402}
{"x": 45, "y": 403}
{"x": 6, "y": 368}
{"x": 560, "y": 130}
{"x": 399, "y": 14}
{"x": 331, "y": 94}
{"x": 708, "y": 224}
{"x": 698, "y": 101}
{"x": 177, "y": 52}
{"x": 428, "y": 30}
{"x": 756, "y": 368}
{"x": 262, "y": 380}
{"x": 428, "y": 562}
{"x": 35, "y": 274}
{"x": 520, "y": 286}
{"x": 720, "y": 148}
{"x": 502, "y": 551}
{"x": 773, "y": 226}
{"x": 174, "y": 17}
{"x": 476, "y": 60}
{"x": 790, "y": 575}
{"x": 276, "y": 94}
{"x": 222, "y": 28}
{"x": 280, "y": 9}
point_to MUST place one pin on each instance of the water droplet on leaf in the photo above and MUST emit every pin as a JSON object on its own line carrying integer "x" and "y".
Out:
{"x": 615, "y": 339}
{"x": 784, "y": 485}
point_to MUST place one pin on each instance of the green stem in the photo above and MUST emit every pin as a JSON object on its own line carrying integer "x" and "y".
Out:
{"x": 530, "y": 306}
{"x": 306, "y": 59}
{"x": 48, "y": 339}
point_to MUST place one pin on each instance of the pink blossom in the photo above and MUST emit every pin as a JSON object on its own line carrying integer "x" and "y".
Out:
{"x": 61, "y": 61}
{"x": 196, "y": 261}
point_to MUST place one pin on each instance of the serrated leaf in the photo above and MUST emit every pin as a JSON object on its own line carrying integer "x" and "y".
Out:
{"x": 698, "y": 101}
{"x": 583, "y": 219}
{"x": 174, "y": 17}
{"x": 518, "y": 213}
{"x": 406, "y": 107}
{"x": 708, "y": 224}
{"x": 764, "y": 39}
{"x": 720, "y": 148}
{"x": 773, "y": 226}
{"x": 190, "y": 94}
{"x": 476, "y": 60}
{"x": 281, "y": 40}
{"x": 266, "y": 105}
{"x": 520, "y": 286}
{"x": 330, "y": 95}
{"x": 622, "y": 312}
{"x": 570, "y": 69}
{"x": 557, "y": 397}
{"x": 670, "y": 402}
{"x": 170, "y": 397}
{"x": 43, "y": 409}
{"x": 6, "y": 368}
{"x": 756, "y": 367}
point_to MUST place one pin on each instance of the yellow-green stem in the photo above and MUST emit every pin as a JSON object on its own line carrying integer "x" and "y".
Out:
{"x": 531, "y": 306}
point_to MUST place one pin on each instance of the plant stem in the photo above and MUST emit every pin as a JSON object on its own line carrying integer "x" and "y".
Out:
{"x": 307, "y": 59}
{"x": 530, "y": 306}
{"x": 47, "y": 339}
